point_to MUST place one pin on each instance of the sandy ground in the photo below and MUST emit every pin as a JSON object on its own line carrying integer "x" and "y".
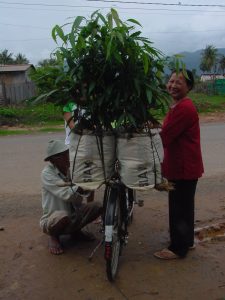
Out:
{"x": 28, "y": 271}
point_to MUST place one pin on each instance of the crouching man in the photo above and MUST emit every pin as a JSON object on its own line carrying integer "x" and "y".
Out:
{"x": 63, "y": 209}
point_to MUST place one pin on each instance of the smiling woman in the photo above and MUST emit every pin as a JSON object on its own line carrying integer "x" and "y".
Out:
{"x": 182, "y": 164}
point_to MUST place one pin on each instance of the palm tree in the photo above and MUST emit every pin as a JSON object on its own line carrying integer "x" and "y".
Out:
{"x": 222, "y": 63}
{"x": 209, "y": 59}
{"x": 6, "y": 57}
{"x": 21, "y": 59}
{"x": 203, "y": 67}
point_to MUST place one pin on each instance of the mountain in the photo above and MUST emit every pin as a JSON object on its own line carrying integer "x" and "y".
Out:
{"x": 192, "y": 59}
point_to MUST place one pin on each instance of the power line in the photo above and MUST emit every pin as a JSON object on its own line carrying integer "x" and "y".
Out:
{"x": 47, "y": 5}
{"x": 153, "y": 32}
{"x": 122, "y": 8}
{"x": 26, "y": 40}
{"x": 158, "y": 3}
{"x": 17, "y": 25}
{"x": 111, "y": 1}
{"x": 146, "y": 11}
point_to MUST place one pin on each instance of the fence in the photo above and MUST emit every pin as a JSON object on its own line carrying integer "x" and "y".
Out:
{"x": 15, "y": 93}
{"x": 216, "y": 87}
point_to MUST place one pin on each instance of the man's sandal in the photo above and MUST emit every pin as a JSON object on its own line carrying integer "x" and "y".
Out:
{"x": 166, "y": 254}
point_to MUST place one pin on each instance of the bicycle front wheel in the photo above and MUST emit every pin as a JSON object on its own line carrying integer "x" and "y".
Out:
{"x": 113, "y": 243}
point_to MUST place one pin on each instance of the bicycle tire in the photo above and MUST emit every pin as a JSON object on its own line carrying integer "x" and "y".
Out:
{"x": 113, "y": 243}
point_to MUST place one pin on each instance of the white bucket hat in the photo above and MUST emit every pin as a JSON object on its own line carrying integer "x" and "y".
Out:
{"x": 55, "y": 147}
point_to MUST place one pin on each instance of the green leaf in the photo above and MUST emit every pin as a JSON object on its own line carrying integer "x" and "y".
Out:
{"x": 80, "y": 43}
{"x": 149, "y": 95}
{"x": 43, "y": 97}
{"x": 77, "y": 23}
{"x": 120, "y": 120}
{"x": 102, "y": 18}
{"x": 134, "y": 21}
{"x": 72, "y": 40}
{"x": 177, "y": 65}
{"x": 94, "y": 13}
{"x": 54, "y": 33}
{"x": 120, "y": 37}
{"x": 64, "y": 52}
{"x": 110, "y": 22}
{"x": 131, "y": 119}
{"x": 145, "y": 62}
{"x": 109, "y": 48}
{"x": 137, "y": 86}
{"x": 118, "y": 57}
{"x": 184, "y": 70}
{"x": 91, "y": 87}
{"x": 135, "y": 34}
{"x": 59, "y": 32}
{"x": 115, "y": 17}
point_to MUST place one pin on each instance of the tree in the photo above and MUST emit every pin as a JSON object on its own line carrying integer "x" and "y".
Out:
{"x": 203, "y": 66}
{"x": 6, "y": 57}
{"x": 209, "y": 59}
{"x": 222, "y": 63}
{"x": 21, "y": 59}
{"x": 47, "y": 62}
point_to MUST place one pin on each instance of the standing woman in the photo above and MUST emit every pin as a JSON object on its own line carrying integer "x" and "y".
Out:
{"x": 182, "y": 164}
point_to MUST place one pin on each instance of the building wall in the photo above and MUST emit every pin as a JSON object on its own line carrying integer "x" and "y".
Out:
{"x": 208, "y": 77}
{"x": 16, "y": 86}
{"x": 13, "y": 77}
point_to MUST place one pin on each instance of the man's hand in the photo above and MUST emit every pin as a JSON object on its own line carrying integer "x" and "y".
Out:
{"x": 83, "y": 193}
{"x": 80, "y": 194}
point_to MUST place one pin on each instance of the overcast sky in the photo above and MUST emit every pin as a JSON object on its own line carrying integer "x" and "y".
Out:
{"x": 25, "y": 26}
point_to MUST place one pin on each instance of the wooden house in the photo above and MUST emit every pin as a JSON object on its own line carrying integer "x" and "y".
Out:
{"x": 15, "y": 83}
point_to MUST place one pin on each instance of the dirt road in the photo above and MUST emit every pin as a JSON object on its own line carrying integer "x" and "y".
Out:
{"x": 28, "y": 271}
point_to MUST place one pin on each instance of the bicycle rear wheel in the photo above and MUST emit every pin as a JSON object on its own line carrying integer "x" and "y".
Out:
{"x": 113, "y": 222}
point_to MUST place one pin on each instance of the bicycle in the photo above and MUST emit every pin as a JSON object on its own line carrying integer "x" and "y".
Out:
{"x": 118, "y": 207}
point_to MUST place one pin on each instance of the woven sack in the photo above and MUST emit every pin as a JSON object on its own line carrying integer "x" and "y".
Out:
{"x": 140, "y": 158}
{"x": 90, "y": 163}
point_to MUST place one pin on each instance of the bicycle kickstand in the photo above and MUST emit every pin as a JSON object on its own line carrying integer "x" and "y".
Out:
{"x": 95, "y": 249}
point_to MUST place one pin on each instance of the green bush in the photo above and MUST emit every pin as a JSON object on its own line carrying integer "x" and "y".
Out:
{"x": 7, "y": 112}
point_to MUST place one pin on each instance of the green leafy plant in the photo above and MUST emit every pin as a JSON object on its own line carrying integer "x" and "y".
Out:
{"x": 110, "y": 70}
{"x": 52, "y": 84}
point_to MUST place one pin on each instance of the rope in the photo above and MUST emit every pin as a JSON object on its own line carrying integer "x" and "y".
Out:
{"x": 153, "y": 153}
{"x": 74, "y": 161}
{"x": 101, "y": 152}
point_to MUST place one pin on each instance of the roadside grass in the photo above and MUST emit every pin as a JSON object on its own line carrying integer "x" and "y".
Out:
{"x": 208, "y": 103}
{"x": 27, "y": 119}
{"x": 47, "y": 117}
{"x": 4, "y": 132}
{"x": 29, "y": 115}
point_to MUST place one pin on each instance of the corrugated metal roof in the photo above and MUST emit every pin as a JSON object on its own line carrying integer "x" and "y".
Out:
{"x": 15, "y": 68}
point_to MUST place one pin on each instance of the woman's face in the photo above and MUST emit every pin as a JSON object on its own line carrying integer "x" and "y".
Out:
{"x": 177, "y": 86}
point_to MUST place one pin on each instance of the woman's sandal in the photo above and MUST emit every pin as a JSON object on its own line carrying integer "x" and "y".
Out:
{"x": 166, "y": 254}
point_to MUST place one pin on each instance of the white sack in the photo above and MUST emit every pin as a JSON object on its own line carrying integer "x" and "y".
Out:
{"x": 140, "y": 160}
{"x": 87, "y": 168}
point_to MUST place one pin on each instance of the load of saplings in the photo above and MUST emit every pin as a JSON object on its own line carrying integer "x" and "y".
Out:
{"x": 115, "y": 77}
